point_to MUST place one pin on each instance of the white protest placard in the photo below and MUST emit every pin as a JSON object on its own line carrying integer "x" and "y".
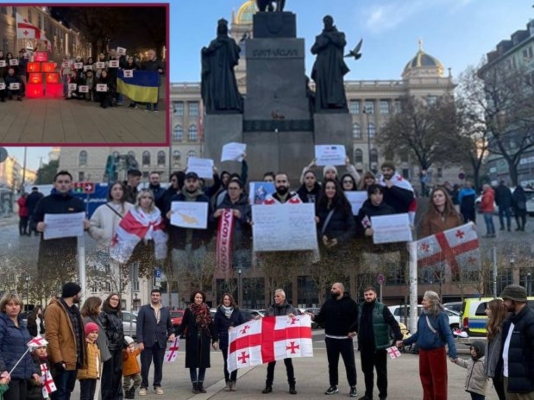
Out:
{"x": 128, "y": 73}
{"x": 284, "y": 227}
{"x": 258, "y": 191}
{"x": 14, "y": 61}
{"x": 356, "y": 199}
{"x": 391, "y": 228}
{"x": 88, "y": 67}
{"x": 202, "y": 166}
{"x": 233, "y": 151}
{"x": 113, "y": 63}
{"x": 2, "y": 86}
{"x": 2, "y": 63}
{"x": 72, "y": 86}
{"x": 14, "y": 86}
{"x": 189, "y": 214}
{"x": 78, "y": 65}
{"x": 101, "y": 87}
{"x": 121, "y": 51}
{"x": 83, "y": 89}
{"x": 65, "y": 64}
{"x": 333, "y": 154}
{"x": 101, "y": 65}
{"x": 63, "y": 225}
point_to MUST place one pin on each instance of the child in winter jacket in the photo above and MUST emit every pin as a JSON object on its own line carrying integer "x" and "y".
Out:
{"x": 130, "y": 368}
{"x": 476, "y": 380}
{"x": 89, "y": 376}
{"x": 34, "y": 389}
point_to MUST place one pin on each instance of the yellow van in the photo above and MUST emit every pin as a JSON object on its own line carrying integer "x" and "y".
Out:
{"x": 474, "y": 317}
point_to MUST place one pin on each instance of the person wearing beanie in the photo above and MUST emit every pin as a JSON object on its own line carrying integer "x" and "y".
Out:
{"x": 131, "y": 371}
{"x": 90, "y": 374}
{"x": 65, "y": 334}
{"x": 518, "y": 344}
{"x": 476, "y": 380}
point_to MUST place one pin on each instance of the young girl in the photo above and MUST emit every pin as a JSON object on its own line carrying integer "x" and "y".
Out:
{"x": 475, "y": 380}
{"x": 89, "y": 376}
{"x": 35, "y": 389}
{"x": 130, "y": 368}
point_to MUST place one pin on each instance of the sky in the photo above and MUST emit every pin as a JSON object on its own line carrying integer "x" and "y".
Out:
{"x": 456, "y": 32}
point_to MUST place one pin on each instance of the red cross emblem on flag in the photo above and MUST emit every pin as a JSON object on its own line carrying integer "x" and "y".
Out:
{"x": 393, "y": 352}
{"x": 292, "y": 347}
{"x": 243, "y": 357}
{"x": 48, "y": 383}
{"x": 37, "y": 342}
{"x": 245, "y": 328}
{"x": 460, "y": 234}
{"x": 172, "y": 352}
{"x": 425, "y": 247}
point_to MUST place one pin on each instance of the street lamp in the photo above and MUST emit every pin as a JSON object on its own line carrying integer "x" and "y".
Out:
{"x": 27, "y": 279}
{"x": 366, "y": 111}
{"x": 239, "y": 288}
{"x": 529, "y": 284}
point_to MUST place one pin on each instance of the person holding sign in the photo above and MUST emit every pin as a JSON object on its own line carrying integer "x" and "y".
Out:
{"x": 330, "y": 171}
{"x": 106, "y": 95}
{"x": 13, "y": 85}
{"x": 67, "y": 65}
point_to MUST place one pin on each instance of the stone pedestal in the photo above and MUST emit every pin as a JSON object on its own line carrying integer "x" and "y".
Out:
{"x": 220, "y": 129}
{"x": 333, "y": 128}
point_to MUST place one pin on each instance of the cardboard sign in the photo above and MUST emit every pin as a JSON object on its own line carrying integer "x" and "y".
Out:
{"x": 72, "y": 86}
{"x": 101, "y": 87}
{"x": 2, "y": 86}
{"x": 83, "y": 89}
{"x": 113, "y": 63}
{"x": 87, "y": 67}
{"x": 2, "y": 63}
{"x": 14, "y": 86}
{"x": 121, "y": 51}
{"x": 65, "y": 64}
{"x": 13, "y": 61}
{"x": 128, "y": 73}
{"x": 101, "y": 65}
{"x": 78, "y": 65}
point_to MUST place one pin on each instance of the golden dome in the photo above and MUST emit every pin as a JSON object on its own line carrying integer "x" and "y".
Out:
{"x": 425, "y": 61}
{"x": 246, "y": 11}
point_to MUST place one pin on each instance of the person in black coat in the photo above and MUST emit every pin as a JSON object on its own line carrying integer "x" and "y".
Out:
{"x": 199, "y": 330}
{"x": 227, "y": 317}
{"x": 505, "y": 201}
{"x": 153, "y": 64}
{"x": 520, "y": 207}
{"x": 31, "y": 202}
{"x": 111, "y": 319}
{"x": 107, "y": 96}
{"x": 309, "y": 191}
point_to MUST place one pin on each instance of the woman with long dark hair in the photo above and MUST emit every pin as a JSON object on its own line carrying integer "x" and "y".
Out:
{"x": 200, "y": 333}
{"x": 496, "y": 315}
{"x": 90, "y": 311}
{"x": 36, "y": 321}
{"x": 227, "y": 317}
{"x": 111, "y": 318}
{"x": 440, "y": 215}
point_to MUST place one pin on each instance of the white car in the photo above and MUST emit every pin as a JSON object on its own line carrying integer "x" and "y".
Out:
{"x": 530, "y": 202}
{"x": 129, "y": 323}
{"x": 398, "y": 313}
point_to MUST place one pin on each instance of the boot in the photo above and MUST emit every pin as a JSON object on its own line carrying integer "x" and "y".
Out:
{"x": 292, "y": 389}
{"x": 195, "y": 388}
{"x": 201, "y": 387}
{"x": 232, "y": 386}
{"x": 228, "y": 386}
{"x": 268, "y": 389}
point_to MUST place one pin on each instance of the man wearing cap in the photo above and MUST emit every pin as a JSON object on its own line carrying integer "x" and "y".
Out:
{"x": 518, "y": 345}
{"x": 66, "y": 340}
{"x": 132, "y": 181}
{"x": 189, "y": 245}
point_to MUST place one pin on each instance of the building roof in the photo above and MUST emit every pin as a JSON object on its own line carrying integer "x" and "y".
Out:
{"x": 245, "y": 12}
{"x": 423, "y": 61}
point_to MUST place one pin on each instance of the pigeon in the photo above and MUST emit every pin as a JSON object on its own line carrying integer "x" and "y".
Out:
{"x": 356, "y": 52}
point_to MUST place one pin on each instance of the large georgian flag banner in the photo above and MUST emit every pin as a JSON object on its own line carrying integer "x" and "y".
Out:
{"x": 26, "y": 30}
{"x": 269, "y": 339}
{"x": 457, "y": 247}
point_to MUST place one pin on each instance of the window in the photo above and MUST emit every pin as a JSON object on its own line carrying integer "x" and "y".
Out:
{"x": 527, "y": 54}
{"x": 30, "y": 15}
{"x": 14, "y": 12}
{"x": 3, "y": 10}
{"x": 145, "y": 158}
{"x": 406, "y": 173}
{"x": 176, "y": 156}
{"x": 371, "y": 130}
{"x": 358, "y": 156}
{"x": 191, "y": 153}
{"x": 356, "y": 131}
{"x": 178, "y": 108}
{"x": 81, "y": 176}
{"x": 192, "y": 134}
{"x": 369, "y": 107}
{"x": 178, "y": 134}
{"x": 384, "y": 107}
{"x": 374, "y": 155}
{"x": 193, "y": 109}
{"x": 354, "y": 106}
{"x": 397, "y": 107}
{"x": 82, "y": 158}
{"x": 431, "y": 99}
{"x": 94, "y": 289}
{"x": 161, "y": 157}
{"x": 39, "y": 21}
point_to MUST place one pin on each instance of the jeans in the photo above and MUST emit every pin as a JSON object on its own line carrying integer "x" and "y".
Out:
{"x": 345, "y": 347}
{"x": 87, "y": 389}
{"x": 490, "y": 227}
{"x": 498, "y": 384}
{"x": 505, "y": 211}
{"x": 65, "y": 381}
{"x": 372, "y": 359}
{"x": 477, "y": 396}
{"x": 227, "y": 376}
{"x": 289, "y": 369}
{"x": 197, "y": 377}
{"x": 147, "y": 355}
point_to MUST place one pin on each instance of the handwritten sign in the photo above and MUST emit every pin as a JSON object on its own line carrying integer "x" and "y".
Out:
{"x": 113, "y": 63}
{"x": 258, "y": 191}
{"x": 356, "y": 199}
{"x": 13, "y": 62}
{"x": 87, "y": 67}
{"x": 233, "y": 151}
{"x": 83, "y": 89}
{"x": 101, "y": 65}
{"x": 202, "y": 166}
{"x": 72, "y": 86}
{"x": 63, "y": 225}
{"x": 128, "y": 73}
{"x": 65, "y": 64}
{"x": 101, "y": 87}
{"x": 2, "y": 63}
{"x": 121, "y": 51}
{"x": 391, "y": 228}
{"x": 283, "y": 227}
{"x": 2, "y": 86}
{"x": 14, "y": 86}
{"x": 189, "y": 214}
{"x": 330, "y": 154}
{"x": 78, "y": 65}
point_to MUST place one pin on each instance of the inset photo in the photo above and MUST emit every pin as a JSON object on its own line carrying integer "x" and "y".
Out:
{"x": 78, "y": 74}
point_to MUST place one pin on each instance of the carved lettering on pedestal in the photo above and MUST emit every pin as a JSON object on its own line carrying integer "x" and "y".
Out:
{"x": 275, "y": 53}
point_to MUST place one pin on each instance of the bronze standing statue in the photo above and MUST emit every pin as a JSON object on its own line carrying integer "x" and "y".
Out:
{"x": 218, "y": 84}
{"x": 329, "y": 68}
{"x": 267, "y": 5}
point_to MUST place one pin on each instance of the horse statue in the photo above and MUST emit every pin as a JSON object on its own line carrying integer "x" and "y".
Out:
{"x": 271, "y": 5}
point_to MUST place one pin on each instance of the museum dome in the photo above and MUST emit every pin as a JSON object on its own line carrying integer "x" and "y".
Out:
{"x": 423, "y": 62}
{"x": 245, "y": 12}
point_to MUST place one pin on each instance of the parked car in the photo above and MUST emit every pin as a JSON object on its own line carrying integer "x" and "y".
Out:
{"x": 176, "y": 317}
{"x": 529, "y": 193}
{"x": 454, "y": 306}
{"x": 129, "y": 323}
{"x": 398, "y": 313}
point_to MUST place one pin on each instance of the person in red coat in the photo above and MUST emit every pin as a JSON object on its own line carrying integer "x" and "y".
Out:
{"x": 23, "y": 215}
{"x": 487, "y": 206}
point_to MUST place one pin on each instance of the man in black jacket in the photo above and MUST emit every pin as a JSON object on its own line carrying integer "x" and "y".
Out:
{"x": 155, "y": 188}
{"x": 505, "y": 200}
{"x": 518, "y": 344}
{"x": 133, "y": 179}
{"x": 339, "y": 316}
{"x": 153, "y": 64}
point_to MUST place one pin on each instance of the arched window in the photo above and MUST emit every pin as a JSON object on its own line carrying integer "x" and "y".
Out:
{"x": 358, "y": 156}
{"x": 371, "y": 130}
{"x": 176, "y": 157}
{"x": 178, "y": 134}
{"x": 82, "y": 158}
{"x": 192, "y": 135}
{"x": 356, "y": 131}
{"x": 145, "y": 158}
{"x": 191, "y": 153}
{"x": 374, "y": 155}
{"x": 161, "y": 157}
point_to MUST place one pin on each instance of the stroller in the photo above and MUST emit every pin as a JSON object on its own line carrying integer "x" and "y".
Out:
{"x": 405, "y": 335}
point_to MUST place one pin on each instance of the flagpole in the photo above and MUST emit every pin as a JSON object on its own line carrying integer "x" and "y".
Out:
{"x": 18, "y": 362}
{"x": 412, "y": 249}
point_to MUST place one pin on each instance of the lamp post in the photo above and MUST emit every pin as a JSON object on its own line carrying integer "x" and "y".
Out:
{"x": 367, "y": 112}
{"x": 512, "y": 262}
{"x": 27, "y": 279}
{"x": 239, "y": 288}
{"x": 529, "y": 284}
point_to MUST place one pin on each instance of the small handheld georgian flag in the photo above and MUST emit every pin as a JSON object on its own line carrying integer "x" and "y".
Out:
{"x": 172, "y": 351}
{"x": 393, "y": 352}
{"x": 48, "y": 383}
{"x": 36, "y": 342}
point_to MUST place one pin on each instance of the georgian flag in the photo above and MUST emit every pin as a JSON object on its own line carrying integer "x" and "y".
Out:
{"x": 171, "y": 354}
{"x": 48, "y": 383}
{"x": 36, "y": 342}
{"x": 133, "y": 228}
{"x": 269, "y": 339}
{"x": 26, "y": 30}
{"x": 402, "y": 183}
{"x": 393, "y": 352}
{"x": 457, "y": 248}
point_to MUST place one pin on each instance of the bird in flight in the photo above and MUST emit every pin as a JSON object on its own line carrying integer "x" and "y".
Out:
{"x": 356, "y": 51}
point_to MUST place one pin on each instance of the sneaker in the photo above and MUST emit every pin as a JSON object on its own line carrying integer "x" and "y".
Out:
{"x": 353, "y": 391}
{"x": 331, "y": 390}
{"x": 142, "y": 392}
{"x": 158, "y": 390}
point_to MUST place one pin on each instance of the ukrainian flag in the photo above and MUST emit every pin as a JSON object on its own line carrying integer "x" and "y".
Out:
{"x": 142, "y": 87}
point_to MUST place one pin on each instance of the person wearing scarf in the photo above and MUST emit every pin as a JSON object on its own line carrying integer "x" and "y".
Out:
{"x": 226, "y": 318}
{"x": 199, "y": 330}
